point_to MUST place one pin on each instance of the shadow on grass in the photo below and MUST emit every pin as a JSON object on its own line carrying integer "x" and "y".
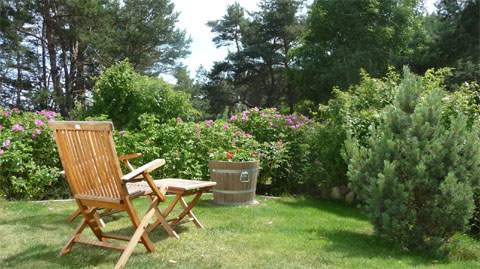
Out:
{"x": 79, "y": 257}
{"x": 335, "y": 208}
{"x": 366, "y": 246}
{"x": 48, "y": 222}
{"x": 83, "y": 255}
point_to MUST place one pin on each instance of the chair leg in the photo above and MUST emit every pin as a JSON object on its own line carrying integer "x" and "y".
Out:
{"x": 136, "y": 222}
{"x": 68, "y": 246}
{"x": 74, "y": 215}
{"x": 90, "y": 215}
{"x": 140, "y": 233}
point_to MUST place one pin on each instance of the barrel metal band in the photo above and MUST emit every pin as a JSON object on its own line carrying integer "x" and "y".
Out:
{"x": 233, "y": 192}
{"x": 232, "y": 171}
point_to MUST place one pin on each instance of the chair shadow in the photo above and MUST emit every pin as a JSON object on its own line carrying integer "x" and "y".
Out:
{"x": 81, "y": 255}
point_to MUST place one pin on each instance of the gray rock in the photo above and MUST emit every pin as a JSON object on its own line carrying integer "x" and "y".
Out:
{"x": 335, "y": 193}
{"x": 350, "y": 197}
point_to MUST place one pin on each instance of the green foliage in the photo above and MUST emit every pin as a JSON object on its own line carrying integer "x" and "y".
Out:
{"x": 285, "y": 149}
{"x": 343, "y": 37}
{"x": 257, "y": 70}
{"x": 187, "y": 146}
{"x": 351, "y": 112}
{"x": 29, "y": 164}
{"x": 416, "y": 174}
{"x": 124, "y": 95}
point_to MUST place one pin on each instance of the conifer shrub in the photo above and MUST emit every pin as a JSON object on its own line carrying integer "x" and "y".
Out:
{"x": 417, "y": 173}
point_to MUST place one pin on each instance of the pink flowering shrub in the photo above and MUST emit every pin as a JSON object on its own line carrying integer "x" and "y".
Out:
{"x": 187, "y": 146}
{"x": 285, "y": 149}
{"x": 29, "y": 164}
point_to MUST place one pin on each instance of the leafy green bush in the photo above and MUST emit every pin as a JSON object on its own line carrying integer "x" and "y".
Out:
{"x": 123, "y": 95}
{"x": 349, "y": 112}
{"x": 187, "y": 146}
{"x": 415, "y": 173}
{"x": 284, "y": 147}
{"x": 29, "y": 164}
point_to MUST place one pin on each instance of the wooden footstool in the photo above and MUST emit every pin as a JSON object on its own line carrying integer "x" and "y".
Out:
{"x": 182, "y": 188}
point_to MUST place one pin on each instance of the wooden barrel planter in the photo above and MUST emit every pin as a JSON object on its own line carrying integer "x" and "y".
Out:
{"x": 236, "y": 182}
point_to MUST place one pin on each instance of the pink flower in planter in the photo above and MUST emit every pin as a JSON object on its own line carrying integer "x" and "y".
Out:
{"x": 225, "y": 126}
{"x": 233, "y": 118}
{"x": 1, "y": 127}
{"x": 1, "y": 152}
{"x": 39, "y": 122}
{"x": 18, "y": 128}
{"x": 6, "y": 143}
{"x": 6, "y": 114}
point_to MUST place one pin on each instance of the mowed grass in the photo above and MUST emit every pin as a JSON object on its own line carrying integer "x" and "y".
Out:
{"x": 278, "y": 233}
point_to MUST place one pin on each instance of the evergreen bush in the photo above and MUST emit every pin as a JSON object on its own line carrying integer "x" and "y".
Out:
{"x": 417, "y": 173}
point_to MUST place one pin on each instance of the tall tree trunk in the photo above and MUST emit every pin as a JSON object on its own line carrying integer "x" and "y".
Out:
{"x": 18, "y": 83}
{"x": 52, "y": 53}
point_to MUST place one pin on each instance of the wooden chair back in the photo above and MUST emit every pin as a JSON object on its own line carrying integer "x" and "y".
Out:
{"x": 90, "y": 161}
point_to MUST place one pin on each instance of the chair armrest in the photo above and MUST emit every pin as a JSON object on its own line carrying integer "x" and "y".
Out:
{"x": 130, "y": 156}
{"x": 145, "y": 169}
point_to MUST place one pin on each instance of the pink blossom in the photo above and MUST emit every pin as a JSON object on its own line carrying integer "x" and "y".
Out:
{"x": 244, "y": 116}
{"x": 1, "y": 152}
{"x": 6, "y": 143}
{"x": 39, "y": 122}
{"x": 15, "y": 110}
{"x": 1, "y": 127}
{"x": 208, "y": 123}
{"x": 18, "y": 128}
{"x": 50, "y": 115}
{"x": 233, "y": 118}
{"x": 36, "y": 132}
{"x": 225, "y": 126}
{"x": 6, "y": 114}
{"x": 278, "y": 116}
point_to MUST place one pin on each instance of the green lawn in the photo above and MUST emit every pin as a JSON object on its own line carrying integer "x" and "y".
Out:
{"x": 278, "y": 233}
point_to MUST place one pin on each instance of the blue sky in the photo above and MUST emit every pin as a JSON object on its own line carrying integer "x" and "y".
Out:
{"x": 194, "y": 14}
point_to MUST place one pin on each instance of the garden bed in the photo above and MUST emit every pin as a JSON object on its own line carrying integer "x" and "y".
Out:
{"x": 278, "y": 233}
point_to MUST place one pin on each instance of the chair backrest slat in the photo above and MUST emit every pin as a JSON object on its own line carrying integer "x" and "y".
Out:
{"x": 89, "y": 158}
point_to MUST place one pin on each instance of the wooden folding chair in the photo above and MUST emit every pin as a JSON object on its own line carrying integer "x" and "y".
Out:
{"x": 92, "y": 169}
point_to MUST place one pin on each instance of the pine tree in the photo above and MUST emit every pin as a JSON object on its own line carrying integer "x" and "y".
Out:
{"x": 417, "y": 173}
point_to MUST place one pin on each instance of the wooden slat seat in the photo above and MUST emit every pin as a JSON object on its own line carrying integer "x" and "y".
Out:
{"x": 142, "y": 188}
{"x": 175, "y": 184}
